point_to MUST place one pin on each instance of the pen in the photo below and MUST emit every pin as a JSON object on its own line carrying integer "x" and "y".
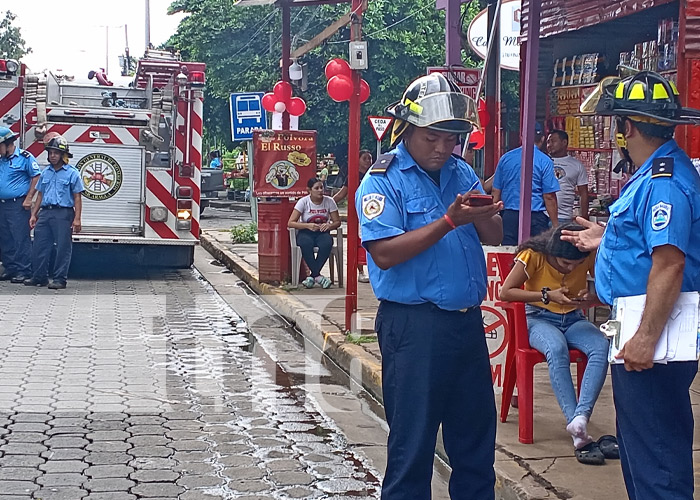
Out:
{"x": 473, "y": 186}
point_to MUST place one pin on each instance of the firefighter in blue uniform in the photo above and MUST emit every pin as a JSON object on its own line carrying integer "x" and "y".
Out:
{"x": 19, "y": 173}
{"x": 651, "y": 245}
{"x": 55, "y": 216}
{"x": 427, "y": 268}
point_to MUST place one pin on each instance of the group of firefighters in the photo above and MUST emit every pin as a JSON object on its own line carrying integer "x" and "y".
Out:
{"x": 54, "y": 215}
{"x": 423, "y": 232}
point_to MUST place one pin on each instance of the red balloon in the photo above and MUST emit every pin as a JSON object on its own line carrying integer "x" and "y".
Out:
{"x": 364, "y": 91}
{"x": 338, "y": 67}
{"x": 339, "y": 88}
{"x": 477, "y": 138}
{"x": 282, "y": 91}
{"x": 484, "y": 116}
{"x": 268, "y": 102}
{"x": 297, "y": 106}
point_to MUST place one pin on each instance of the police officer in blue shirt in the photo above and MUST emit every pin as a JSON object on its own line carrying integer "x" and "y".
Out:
{"x": 651, "y": 245}
{"x": 19, "y": 173}
{"x": 506, "y": 187}
{"x": 427, "y": 268}
{"x": 55, "y": 216}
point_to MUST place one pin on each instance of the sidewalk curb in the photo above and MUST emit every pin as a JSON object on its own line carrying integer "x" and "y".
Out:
{"x": 513, "y": 480}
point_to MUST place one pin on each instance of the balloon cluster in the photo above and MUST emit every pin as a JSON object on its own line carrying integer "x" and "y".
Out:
{"x": 339, "y": 84}
{"x": 281, "y": 100}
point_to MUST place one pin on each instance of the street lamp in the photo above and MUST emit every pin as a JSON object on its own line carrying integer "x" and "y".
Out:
{"x": 295, "y": 71}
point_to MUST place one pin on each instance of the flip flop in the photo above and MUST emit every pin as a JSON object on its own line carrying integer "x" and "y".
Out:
{"x": 609, "y": 447}
{"x": 590, "y": 454}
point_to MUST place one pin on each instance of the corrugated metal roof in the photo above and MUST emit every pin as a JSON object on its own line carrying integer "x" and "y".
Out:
{"x": 559, "y": 16}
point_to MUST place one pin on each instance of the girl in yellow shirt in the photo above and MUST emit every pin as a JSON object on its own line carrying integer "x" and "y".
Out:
{"x": 550, "y": 276}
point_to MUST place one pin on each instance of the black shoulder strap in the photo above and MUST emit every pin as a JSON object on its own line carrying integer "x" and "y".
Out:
{"x": 26, "y": 153}
{"x": 459, "y": 157}
{"x": 382, "y": 164}
{"x": 662, "y": 167}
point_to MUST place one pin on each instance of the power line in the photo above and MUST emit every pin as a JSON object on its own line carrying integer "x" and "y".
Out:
{"x": 261, "y": 26}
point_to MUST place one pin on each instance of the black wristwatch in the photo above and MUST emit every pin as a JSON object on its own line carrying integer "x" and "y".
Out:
{"x": 545, "y": 295}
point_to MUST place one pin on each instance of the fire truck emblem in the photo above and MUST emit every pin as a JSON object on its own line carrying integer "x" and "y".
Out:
{"x": 101, "y": 176}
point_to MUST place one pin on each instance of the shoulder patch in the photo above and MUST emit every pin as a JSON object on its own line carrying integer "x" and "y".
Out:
{"x": 382, "y": 164}
{"x": 26, "y": 153}
{"x": 372, "y": 205}
{"x": 660, "y": 216}
{"x": 662, "y": 167}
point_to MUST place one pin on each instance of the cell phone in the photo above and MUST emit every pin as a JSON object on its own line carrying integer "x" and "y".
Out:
{"x": 480, "y": 200}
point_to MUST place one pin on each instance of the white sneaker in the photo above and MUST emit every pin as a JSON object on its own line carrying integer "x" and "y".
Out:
{"x": 363, "y": 278}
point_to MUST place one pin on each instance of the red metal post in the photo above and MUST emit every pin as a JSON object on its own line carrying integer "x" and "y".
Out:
{"x": 529, "y": 109}
{"x": 286, "y": 205}
{"x": 353, "y": 179}
{"x": 491, "y": 93}
{"x": 286, "y": 51}
{"x": 689, "y": 73}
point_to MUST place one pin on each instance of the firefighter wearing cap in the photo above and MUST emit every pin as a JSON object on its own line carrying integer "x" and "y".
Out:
{"x": 55, "y": 216}
{"x": 506, "y": 187}
{"x": 651, "y": 245}
{"x": 19, "y": 173}
{"x": 427, "y": 268}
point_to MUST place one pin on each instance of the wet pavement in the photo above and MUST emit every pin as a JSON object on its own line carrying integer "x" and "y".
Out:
{"x": 151, "y": 386}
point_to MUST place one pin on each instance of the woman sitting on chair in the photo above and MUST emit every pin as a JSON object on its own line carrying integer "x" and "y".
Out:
{"x": 314, "y": 216}
{"x": 553, "y": 273}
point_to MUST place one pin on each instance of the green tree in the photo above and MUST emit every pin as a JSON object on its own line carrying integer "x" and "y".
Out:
{"x": 12, "y": 45}
{"x": 242, "y": 48}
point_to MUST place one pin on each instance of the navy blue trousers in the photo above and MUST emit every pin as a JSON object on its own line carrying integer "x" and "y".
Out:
{"x": 655, "y": 430}
{"x": 307, "y": 240}
{"x": 15, "y": 243}
{"x": 436, "y": 370}
{"x": 53, "y": 227}
{"x": 539, "y": 223}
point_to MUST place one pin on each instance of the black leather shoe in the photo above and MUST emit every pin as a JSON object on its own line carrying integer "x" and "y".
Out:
{"x": 5, "y": 277}
{"x": 33, "y": 282}
{"x": 56, "y": 285}
{"x": 18, "y": 279}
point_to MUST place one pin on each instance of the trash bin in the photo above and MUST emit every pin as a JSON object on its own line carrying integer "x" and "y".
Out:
{"x": 274, "y": 256}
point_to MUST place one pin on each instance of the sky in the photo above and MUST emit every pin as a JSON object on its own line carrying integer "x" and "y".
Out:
{"x": 71, "y": 35}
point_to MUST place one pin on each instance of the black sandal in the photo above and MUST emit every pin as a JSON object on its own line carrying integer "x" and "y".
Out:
{"x": 590, "y": 454}
{"x": 609, "y": 446}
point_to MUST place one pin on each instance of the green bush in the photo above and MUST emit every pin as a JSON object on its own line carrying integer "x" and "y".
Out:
{"x": 244, "y": 233}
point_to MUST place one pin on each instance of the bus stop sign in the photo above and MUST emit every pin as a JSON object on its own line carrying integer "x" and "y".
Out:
{"x": 247, "y": 114}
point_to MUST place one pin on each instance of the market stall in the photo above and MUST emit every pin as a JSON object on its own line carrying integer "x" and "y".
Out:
{"x": 583, "y": 41}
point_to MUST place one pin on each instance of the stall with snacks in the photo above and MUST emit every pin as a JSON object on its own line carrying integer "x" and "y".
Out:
{"x": 583, "y": 41}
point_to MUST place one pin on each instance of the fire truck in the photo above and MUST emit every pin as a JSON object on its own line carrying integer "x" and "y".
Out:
{"x": 137, "y": 148}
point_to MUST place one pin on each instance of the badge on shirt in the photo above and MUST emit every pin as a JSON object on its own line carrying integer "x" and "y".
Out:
{"x": 372, "y": 205}
{"x": 660, "y": 216}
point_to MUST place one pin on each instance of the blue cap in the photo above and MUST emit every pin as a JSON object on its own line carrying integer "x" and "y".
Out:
{"x": 538, "y": 128}
{"x": 7, "y": 135}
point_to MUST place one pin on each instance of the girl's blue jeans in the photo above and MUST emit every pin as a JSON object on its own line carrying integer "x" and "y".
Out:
{"x": 553, "y": 335}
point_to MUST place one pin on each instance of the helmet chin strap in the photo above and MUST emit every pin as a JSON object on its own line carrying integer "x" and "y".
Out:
{"x": 622, "y": 141}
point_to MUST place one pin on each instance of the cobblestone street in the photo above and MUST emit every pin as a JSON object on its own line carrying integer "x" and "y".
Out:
{"x": 152, "y": 387}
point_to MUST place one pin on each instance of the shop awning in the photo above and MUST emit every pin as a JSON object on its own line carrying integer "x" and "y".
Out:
{"x": 559, "y": 16}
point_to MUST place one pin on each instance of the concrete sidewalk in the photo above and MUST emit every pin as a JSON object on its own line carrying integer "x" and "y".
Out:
{"x": 546, "y": 469}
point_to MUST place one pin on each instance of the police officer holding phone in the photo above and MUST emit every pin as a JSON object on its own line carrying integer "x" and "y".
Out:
{"x": 427, "y": 268}
{"x": 651, "y": 245}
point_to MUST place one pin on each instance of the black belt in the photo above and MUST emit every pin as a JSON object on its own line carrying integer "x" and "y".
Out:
{"x": 10, "y": 200}
{"x": 51, "y": 207}
{"x": 435, "y": 307}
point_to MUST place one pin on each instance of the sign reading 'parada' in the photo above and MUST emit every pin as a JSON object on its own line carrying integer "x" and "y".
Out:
{"x": 283, "y": 162}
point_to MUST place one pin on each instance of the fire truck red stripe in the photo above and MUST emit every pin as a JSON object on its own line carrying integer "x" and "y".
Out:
{"x": 162, "y": 230}
{"x": 196, "y": 122}
{"x": 10, "y": 101}
{"x": 135, "y": 132}
{"x": 105, "y": 134}
{"x": 163, "y": 195}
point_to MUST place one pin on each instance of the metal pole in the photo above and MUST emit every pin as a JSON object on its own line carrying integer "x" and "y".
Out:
{"x": 251, "y": 181}
{"x": 286, "y": 50}
{"x": 491, "y": 90}
{"x": 106, "y": 50}
{"x": 529, "y": 100}
{"x": 379, "y": 150}
{"x": 148, "y": 24}
{"x": 353, "y": 180}
{"x": 453, "y": 41}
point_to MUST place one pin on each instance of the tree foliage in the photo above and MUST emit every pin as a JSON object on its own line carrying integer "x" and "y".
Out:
{"x": 242, "y": 49}
{"x": 12, "y": 45}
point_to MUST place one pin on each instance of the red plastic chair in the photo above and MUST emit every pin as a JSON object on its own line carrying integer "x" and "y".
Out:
{"x": 521, "y": 359}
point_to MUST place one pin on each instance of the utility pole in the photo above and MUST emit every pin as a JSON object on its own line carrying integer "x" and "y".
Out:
{"x": 148, "y": 24}
{"x": 286, "y": 51}
{"x": 351, "y": 323}
{"x": 107, "y": 50}
{"x": 492, "y": 88}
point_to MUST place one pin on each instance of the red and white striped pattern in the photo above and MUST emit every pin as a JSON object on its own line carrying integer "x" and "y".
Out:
{"x": 161, "y": 186}
{"x": 11, "y": 108}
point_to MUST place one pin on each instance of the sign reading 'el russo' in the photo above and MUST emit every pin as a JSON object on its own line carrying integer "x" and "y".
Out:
{"x": 283, "y": 162}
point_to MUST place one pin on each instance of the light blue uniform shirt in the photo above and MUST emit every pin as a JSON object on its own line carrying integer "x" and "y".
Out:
{"x": 507, "y": 179}
{"x": 452, "y": 273}
{"x": 59, "y": 186}
{"x": 651, "y": 213}
{"x": 215, "y": 163}
{"x": 16, "y": 174}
